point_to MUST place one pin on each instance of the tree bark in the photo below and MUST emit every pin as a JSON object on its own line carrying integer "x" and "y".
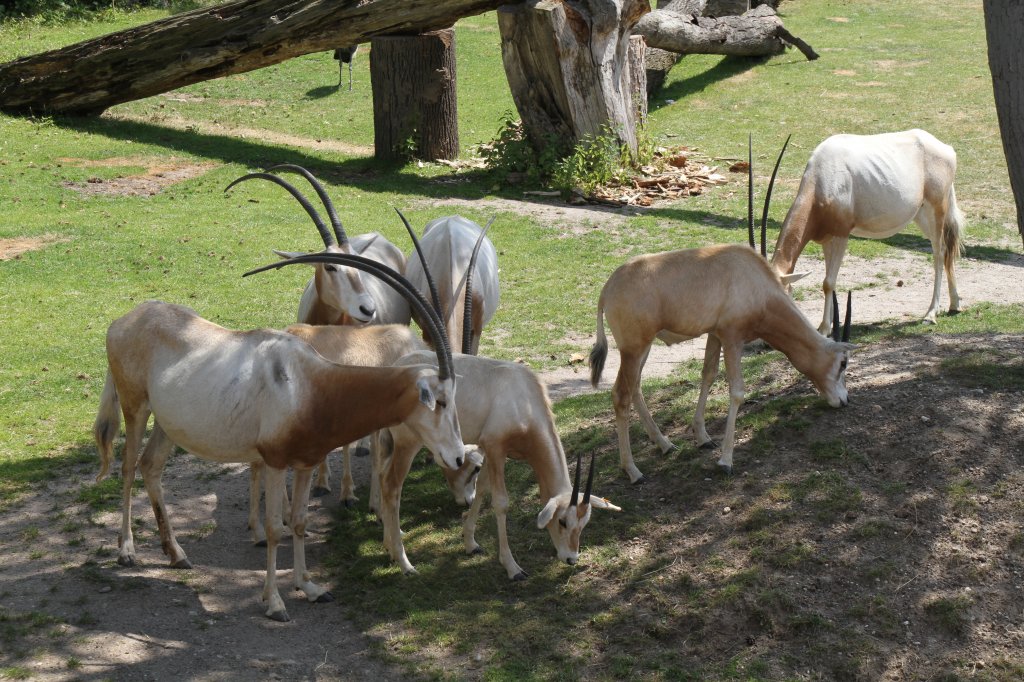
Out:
{"x": 413, "y": 80}
{"x": 211, "y": 42}
{"x": 756, "y": 33}
{"x": 638, "y": 77}
{"x": 1004, "y": 25}
{"x": 567, "y": 68}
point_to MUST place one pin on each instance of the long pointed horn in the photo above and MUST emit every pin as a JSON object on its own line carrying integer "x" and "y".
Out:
{"x": 321, "y": 227}
{"x": 590, "y": 481}
{"x": 849, "y": 316}
{"x": 403, "y": 286}
{"x": 426, "y": 271}
{"x": 835, "y": 317}
{"x": 467, "y": 315}
{"x": 574, "y": 500}
{"x": 768, "y": 199}
{"x": 339, "y": 230}
{"x": 750, "y": 191}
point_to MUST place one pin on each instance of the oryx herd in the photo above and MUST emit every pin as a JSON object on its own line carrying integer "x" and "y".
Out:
{"x": 351, "y": 369}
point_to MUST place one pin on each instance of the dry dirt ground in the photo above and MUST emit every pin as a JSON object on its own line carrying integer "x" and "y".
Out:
{"x": 69, "y": 612}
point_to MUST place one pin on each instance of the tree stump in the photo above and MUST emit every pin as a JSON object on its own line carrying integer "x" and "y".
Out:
{"x": 414, "y": 103}
{"x": 638, "y": 77}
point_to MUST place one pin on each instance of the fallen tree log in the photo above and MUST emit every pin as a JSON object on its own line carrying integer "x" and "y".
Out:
{"x": 756, "y": 33}
{"x": 211, "y": 42}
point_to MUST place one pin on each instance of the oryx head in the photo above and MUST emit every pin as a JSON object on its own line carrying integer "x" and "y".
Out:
{"x": 462, "y": 481}
{"x": 339, "y": 287}
{"x": 565, "y": 515}
{"x": 832, "y": 382}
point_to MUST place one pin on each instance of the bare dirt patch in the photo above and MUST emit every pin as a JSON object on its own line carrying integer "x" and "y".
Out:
{"x": 13, "y": 247}
{"x": 159, "y": 174}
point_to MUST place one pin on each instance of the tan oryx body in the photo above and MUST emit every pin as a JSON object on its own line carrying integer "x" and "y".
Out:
{"x": 503, "y": 409}
{"x": 247, "y": 396}
{"x": 873, "y": 186}
{"x": 729, "y": 293}
{"x": 448, "y": 245}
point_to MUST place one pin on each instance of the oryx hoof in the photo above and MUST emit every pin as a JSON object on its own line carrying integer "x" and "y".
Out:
{"x": 349, "y": 503}
{"x": 324, "y": 598}
{"x": 725, "y": 469}
{"x": 707, "y": 445}
{"x": 128, "y": 561}
{"x": 640, "y": 480}
{"x": 280, "y": 616}
{"x": 362, "y": 452}
{"x": 320, "y": 491}
{"x": 477, "y": 550}
{"x": 260, "y": 543}
{"x": 182, "y": 563}
{"x": 672, "y": 447}
{"x": 520, "y": 576}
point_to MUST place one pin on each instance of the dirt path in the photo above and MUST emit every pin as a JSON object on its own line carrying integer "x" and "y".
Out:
{"x": 75, "y": 615}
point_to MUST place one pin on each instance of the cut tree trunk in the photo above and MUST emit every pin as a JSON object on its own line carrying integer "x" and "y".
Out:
{"x": 638, "y": 77}
{"x": 756, "y": 33}
{"x": 566, "y": 65}
{"x": 414, "y": 105}
{"x": 1004, "y": 23}
{"x": 211, "y": 42}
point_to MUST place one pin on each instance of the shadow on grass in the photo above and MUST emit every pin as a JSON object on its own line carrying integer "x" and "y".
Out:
{"x": 727, "y": 67}
{"x": 918, "y": 242}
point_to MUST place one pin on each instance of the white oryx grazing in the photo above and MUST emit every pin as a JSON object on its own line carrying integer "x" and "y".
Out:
{"x": 464, "y": 265}
{"x": 339, "y": 295}
{"x": 729, "y": 293}
{"x": 873, "y": 186}
{"x": 262, "y": 395}
{"x": 336, "y": 294}
{"x": 504, "y": 409}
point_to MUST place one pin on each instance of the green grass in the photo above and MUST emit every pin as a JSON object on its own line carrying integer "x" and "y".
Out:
{"x": 632, "y": 608}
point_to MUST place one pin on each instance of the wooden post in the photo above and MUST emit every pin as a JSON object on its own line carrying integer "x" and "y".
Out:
{"x": 638, "y": 77}
{"x": 414, "y": 103}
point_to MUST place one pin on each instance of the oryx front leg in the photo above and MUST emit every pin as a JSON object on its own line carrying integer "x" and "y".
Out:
{"x": 323, "y": 479}
{"x": 834, "y": 250}
{"x": 348, "y": 495}
{"x": 494, "y": 463}
{"x": 259, "y": 534}
{"x": 300, "y": 509}
{"x": 134, "y": 428}
{"x": 626, "y": 384}
{"x": 734, "y": 372}
{"x": 712, "y": 355}
{"x": 653, "y": 432}
{"x": 275, "y": 487}
{"x": 158, "y": 449}
{"x": 391, "y": 477}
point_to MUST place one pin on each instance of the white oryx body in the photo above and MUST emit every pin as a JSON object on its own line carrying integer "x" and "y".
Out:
{"x": 247, "y": 396}
{"x": 447, "y": 245}
{"x": 503, "y": 409}
{"x": 873, "y": 186}
{"x": 728, "y": 292}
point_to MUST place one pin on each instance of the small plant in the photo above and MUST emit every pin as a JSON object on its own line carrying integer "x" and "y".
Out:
{"x": 595, "y": 161}
{"x": 950, "y": 613}
{"x": 511, "y": 153}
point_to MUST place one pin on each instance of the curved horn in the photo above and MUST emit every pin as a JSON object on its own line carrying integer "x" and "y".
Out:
{"x": 835, "y": 317}
{"x": 403, "y": 286}
{"x": 849, "y": 317}
{"x": 467, "y": 315}
{"x": 426, "y": 271}
{"x": 317, "y": 220}
{"x": 574, "y": 500}
{"x": 768, "y": 199}
{"x": 339, "y": 230}
{"x": 750, "y": 191}
{"x": 590, "y": 481}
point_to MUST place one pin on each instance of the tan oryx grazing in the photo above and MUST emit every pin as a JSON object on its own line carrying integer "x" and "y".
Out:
{"x": 728, "y": 292}
{"x": 452, "y": 247}
{"x": 504, "y": 409}
{"x": 262, "y": 395}
{"x": 340, "y": 295}
{"x": 873, "y": 186}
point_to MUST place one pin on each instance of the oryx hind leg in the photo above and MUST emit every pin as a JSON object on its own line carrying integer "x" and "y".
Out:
{"x": 323, "y": 479}
{"x": 348, "y": 494}
{"x": 930, "y": 221}
{"x": 734, "y": 371}
{"x": 712, "y": 356}
{"x": 834, "y": 249}
{"x": 653, "y": 432}
{"x": 627, "y": 383}
{"x": 134, "y": 429}
{"x": 154, "y": 458}
{"x": 301, "y": 578}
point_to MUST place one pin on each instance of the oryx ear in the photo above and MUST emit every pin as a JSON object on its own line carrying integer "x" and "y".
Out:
{"x": 794, "y": 277}
{"x": 602, "y": 503}
{"x": 427, "y": 396}
{"x": 288, "y": 255}
{"x": 547, "y": 513}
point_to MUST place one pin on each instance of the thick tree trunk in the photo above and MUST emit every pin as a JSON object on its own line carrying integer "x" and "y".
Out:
{"x": 209, "y": 43}
{"x": 414, "y": 101}
{"x": 1004, "y": 25}
{"x": 756, "y": 33}
{"x": 567, "y": 67}
{"x": 638, "y": 77}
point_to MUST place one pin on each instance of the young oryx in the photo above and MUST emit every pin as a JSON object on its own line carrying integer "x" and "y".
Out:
{"x": 873, "y": 186}
{"x": 504, "y": 409}
{"x": 447, "y": 248}
{"x": 338, "y": 295}
{"x": 244, "y": 396}
{"x": 728, "y": 292}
